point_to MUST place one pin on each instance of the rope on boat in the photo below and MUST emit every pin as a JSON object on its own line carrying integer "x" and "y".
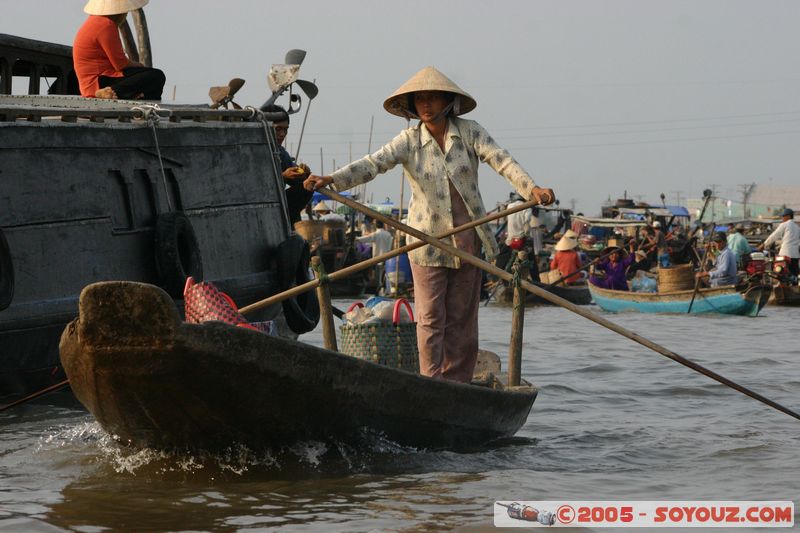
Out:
{"x": 322, "y": 276}
{"x": 272, "y": 147}
{"x": 517, "y": 268}
{"x": 253, "y": 113}
{"x": 516, "y": 283}
{"x": 150, "y": 114}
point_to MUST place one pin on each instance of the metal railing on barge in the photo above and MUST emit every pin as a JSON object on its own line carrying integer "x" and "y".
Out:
{"x": 74, "y": 108}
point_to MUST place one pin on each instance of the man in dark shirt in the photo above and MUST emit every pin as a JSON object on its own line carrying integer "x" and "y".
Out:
{"x": 297, "y": 197}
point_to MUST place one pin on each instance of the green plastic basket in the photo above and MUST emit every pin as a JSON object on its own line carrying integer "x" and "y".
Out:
{"x": 390, "y": 344}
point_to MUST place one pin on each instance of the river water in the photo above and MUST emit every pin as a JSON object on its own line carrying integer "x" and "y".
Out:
{"x": 613, "y": 421}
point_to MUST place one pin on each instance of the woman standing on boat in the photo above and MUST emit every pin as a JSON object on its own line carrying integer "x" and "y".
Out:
{"x": 440, "y": 155}
{"x": 103, "y": 69}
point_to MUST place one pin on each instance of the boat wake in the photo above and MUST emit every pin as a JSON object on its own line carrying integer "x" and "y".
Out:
{"x": 311, "y": 457}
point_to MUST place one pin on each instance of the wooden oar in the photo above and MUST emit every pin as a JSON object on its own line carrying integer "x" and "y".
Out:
{"x": 35, "y": 395}
{"x": 702, "y": 268}
{"x": 500, "y": 273}
{"x": 343, "y": 273}
{"x": 707, "y": 195}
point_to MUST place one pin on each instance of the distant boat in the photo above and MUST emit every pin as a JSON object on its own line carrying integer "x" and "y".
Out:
{"x": 154, "y": 381}
{"x": 576, "y": 294}
{"x": 729, "y": 300}
{"x": 328, "y": 240}
{"x": 785, "y": 290}
{"x": 785, "y": 294}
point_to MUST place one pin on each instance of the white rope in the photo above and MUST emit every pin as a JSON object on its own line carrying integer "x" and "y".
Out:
{"x": 150, "y": 114}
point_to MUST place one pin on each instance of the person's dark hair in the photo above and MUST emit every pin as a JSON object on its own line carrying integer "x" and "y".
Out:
{"x": 378, "y": 224}
{"x": 274, "y": 108}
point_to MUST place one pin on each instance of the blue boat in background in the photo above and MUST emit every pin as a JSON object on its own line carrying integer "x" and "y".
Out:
{"x": 729, "y": 300}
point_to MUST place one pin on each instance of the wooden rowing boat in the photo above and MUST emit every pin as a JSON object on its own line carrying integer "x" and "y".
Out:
{"x": 729, "y": 300}
{"x": 154, "y": 381}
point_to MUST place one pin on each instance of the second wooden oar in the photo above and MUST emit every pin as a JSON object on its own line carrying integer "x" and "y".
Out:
{"x": 500, "y": 273}
{"x": 35, "y": 395}
{"x": 702, "y": 269}
{"x": 343, "y": 273}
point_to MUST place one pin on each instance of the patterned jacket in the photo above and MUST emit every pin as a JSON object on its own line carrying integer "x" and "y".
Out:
{"x": 428, "y": 170}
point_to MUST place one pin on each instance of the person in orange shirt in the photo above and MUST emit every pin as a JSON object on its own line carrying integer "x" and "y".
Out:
{"x": 567, "y": 260}
{"x": 103, "y": 69}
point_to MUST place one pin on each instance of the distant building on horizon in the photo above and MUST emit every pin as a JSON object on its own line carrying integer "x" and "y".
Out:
{"x": 763, "y": 201}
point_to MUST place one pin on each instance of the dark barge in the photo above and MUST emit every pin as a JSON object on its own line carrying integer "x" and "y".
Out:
{"x": 113, "y": 190}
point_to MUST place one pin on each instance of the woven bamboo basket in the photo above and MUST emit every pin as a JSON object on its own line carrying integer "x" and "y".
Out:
{"x": 550, "y": 276}
{"x": 391, "y": 344}
{"x": 329, "y": 232}
{"x": 675, "y": 278}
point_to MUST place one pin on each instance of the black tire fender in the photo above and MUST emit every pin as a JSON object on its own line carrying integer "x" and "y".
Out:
{"x": 302, "y": 311}
{"x": 177, "y": 252}
{"x": 6, "y": 273}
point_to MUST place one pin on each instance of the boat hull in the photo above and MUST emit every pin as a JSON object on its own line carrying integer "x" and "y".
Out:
{"x": 785, "y": 295}
{"x": 724, "y": 300}
{"x": 577, "y": 295}
{"x": 154, "y": 381}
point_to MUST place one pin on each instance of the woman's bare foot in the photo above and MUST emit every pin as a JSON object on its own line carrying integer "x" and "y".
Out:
{"x": 106, "y": 93}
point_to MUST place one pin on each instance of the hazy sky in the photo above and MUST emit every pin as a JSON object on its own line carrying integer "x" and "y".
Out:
{"x": 592, "y": 97}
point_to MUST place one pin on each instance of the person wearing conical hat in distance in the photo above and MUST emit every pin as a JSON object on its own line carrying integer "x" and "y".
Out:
{"x": 324, "y": 212}
{"x": 566, "y": 259}
{"x": 440, "y": 155}
{"x": 569, "y": 234}
{"x": 102, "y": 68}
{"x": 613, "y": 268}
{"x": 640, "y": 263}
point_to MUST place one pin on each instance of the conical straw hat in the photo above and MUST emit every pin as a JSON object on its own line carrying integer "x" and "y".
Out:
{"x": 427, "y": 79}
{"x": 321, "y": 206}
{"x": 569, "y": 234}
{"x": 566, "y": 243}
{"x": 113, "y": 7}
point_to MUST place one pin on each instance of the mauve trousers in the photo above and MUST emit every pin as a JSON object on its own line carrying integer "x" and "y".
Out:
{"x": 446, "y": 302}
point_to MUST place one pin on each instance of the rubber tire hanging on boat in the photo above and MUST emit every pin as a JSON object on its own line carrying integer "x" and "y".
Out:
{"x": 6, "y": 273}
{"x": 302, "y": 311}
{"x": 177, "y": 253}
